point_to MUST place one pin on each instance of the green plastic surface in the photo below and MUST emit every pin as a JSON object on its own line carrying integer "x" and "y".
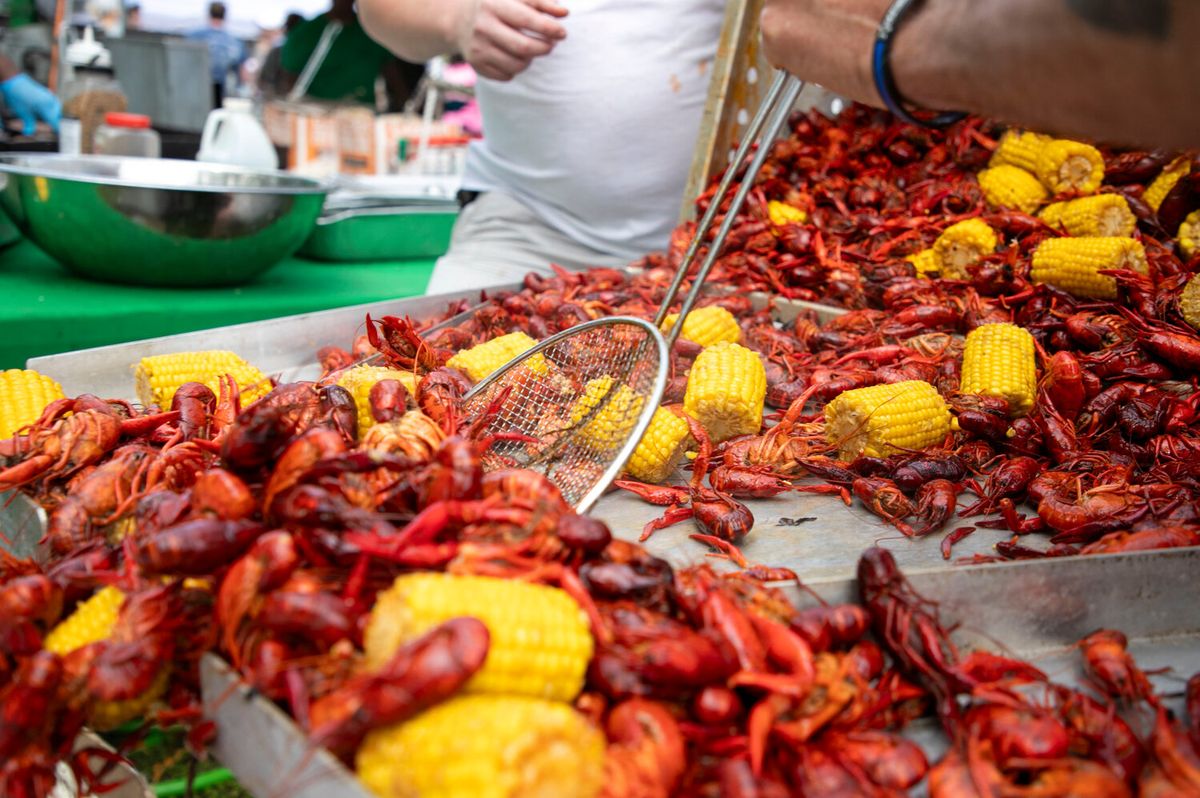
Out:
{"x": 44, "y": 309}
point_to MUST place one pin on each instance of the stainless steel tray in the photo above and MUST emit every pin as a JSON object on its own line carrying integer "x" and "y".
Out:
{"x": 1032, "y": 610}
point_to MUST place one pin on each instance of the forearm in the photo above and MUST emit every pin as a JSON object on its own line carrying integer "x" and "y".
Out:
{"x": 1109, "y": 69}
{"x": 7, "y": 68}
{"x": 415, "y": 30}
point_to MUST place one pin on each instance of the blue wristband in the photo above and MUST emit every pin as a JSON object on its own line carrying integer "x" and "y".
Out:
{"x": 881, "y": 71}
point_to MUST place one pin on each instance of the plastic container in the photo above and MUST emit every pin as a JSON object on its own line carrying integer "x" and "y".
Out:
{"x": 233, "y": 135}
{"x": 87, "y": 96}
{"x": 127, "y": 134}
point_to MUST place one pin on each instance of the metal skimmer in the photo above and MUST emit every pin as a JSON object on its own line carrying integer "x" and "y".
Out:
{"x": 582, "y": 399}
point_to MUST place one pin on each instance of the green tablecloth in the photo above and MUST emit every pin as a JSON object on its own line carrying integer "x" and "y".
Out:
{"x": 44, "y": 309}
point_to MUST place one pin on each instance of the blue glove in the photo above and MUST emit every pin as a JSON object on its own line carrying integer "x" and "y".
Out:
{"x": 31, "y": 101}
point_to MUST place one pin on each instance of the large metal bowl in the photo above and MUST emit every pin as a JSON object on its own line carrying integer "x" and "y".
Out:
{"x": 157, "y": 221}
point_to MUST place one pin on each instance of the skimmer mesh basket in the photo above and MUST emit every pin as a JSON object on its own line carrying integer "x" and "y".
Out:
{"x": 579, "y": 402}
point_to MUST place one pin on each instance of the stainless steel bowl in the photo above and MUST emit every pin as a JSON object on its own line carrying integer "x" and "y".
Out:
{"x": 158, "y": 221}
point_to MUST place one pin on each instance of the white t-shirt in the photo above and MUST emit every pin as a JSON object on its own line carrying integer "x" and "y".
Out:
{"x": 597, "y": 137}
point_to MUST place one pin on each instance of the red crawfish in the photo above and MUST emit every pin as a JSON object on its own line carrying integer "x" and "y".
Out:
{"x": 936, "y": 501}
{"x": 826, "y": 627}
{"x": 420, "y": 674}
{"x": 1098, "y": 732}
{"x": 646, "y": 751}
{"x": 196, "y": 547}
{"x": 1164, "y": 537}
{"x": 881, "y": 496}
{"x": 1108, "y": 664}
{"x": 1011, "y": 478}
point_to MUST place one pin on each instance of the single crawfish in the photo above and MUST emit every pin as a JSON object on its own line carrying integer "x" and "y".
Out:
{"x": 1107, "y": 662}
{"x": 420, "y": 674}
{"x": 646, "y": 752}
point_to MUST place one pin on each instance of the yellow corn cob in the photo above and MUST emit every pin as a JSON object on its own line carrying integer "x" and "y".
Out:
{"x": 359, "y": 381}
{"x": 661, "y": 449}
{"x": 540, "y": 639}
{"x": 93, "y": 621}
{"x": 926, "y": 262}
{"x": 609, "y": 427}
{"x": 1189, "y": 235}
{"x": 1072, "y": 264}
{"x": 1158, "y": 190}
{"x": 780, "y": 213}
{"x": 963, "y": 244}
{"x": 1066, "y": 166}
{"x": 158, "y": 376}
{"x": 486, "y": 746}
{"x": 885, "y": 419}
{"x": 725, "y": 391}
{"x": 1008, "y": 186}
{"x": 706, "y": 326}
{"x": 1020, "y": 149}
{"x": 23, "y": 396}
{"x": 998, "y": 360}
{"x": 482, "y": 359}
{"x": 1098, "y": 215}
{"x": 1189, "y": 302}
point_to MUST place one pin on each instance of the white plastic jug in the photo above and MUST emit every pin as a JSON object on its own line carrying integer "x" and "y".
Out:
{"x": 232, "y": 135}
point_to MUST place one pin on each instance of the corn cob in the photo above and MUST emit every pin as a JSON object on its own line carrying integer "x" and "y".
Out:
{"x": 780, "y": 213}
{"x": 91, "y": 622}
{"x": 482, "y": 359}
{"x": 158, "y": 376}
{"x": 1158, "y": 190}
{"x": 23, "y": 396}
{"x": 1020, "y": 149}
{"x": 1066, "y": 166}
{"x": 609, "y": 427}
{"x": 963, "y": 244}
{"x": 998, "y": 360}
{"x": 887, "y": 418}
{"x": 706, "y": 326}
{"x": 1008, "y": 186}
{"x": 486, "y": 746}
{"x": 725, "y": 391}
{"x": 1072, "y": 264}
{"x": 1096, "y": 216}
{"x": 661, "y": 449}
{"x": 1189, "y": 302}
{"x": 926, "y": 262}
{"x": 359, "y": 381}
{"x": 540, "y": 639}
{"x": 1189, "y": 235}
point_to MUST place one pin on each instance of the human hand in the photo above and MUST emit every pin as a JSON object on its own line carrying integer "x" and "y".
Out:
{"x": 500, "y": 38}
{"x": 31, "y": 101}
{"x": 827, "y": 42}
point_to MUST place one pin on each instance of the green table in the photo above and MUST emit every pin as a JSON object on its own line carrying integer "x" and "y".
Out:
{"x": 44, "y": 309}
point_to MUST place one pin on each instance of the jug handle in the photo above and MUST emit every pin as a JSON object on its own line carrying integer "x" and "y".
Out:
{"x": 212, "y": 126}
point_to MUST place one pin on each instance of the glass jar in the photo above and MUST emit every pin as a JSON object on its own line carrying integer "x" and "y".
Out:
{"x": 87, "y": 96}
{"x": 127, "y": 134}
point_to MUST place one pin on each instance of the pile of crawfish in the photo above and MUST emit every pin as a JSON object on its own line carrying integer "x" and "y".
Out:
{"x": 265, "y": 533}
{"x": 1108, "y": 458}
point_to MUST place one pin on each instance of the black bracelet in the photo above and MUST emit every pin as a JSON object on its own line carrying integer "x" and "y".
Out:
{"x": 881, "y": 70}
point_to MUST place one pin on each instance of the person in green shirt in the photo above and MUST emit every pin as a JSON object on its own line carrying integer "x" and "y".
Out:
{"x": 352, "y": 64}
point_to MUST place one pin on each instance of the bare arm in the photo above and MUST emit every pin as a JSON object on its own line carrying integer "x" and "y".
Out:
{"x": 497, "y": 37}
{"x": 1110, "y": 69}
{"x": 7, "y": 68}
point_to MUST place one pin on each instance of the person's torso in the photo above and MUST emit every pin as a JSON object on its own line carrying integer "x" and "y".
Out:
{"x": 350, "y": 67}
{"x": 224, "y": 51}
{"x": 597, "y": 137}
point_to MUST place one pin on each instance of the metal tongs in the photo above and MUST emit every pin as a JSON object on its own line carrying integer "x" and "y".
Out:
{"x": 575, "y": 406}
